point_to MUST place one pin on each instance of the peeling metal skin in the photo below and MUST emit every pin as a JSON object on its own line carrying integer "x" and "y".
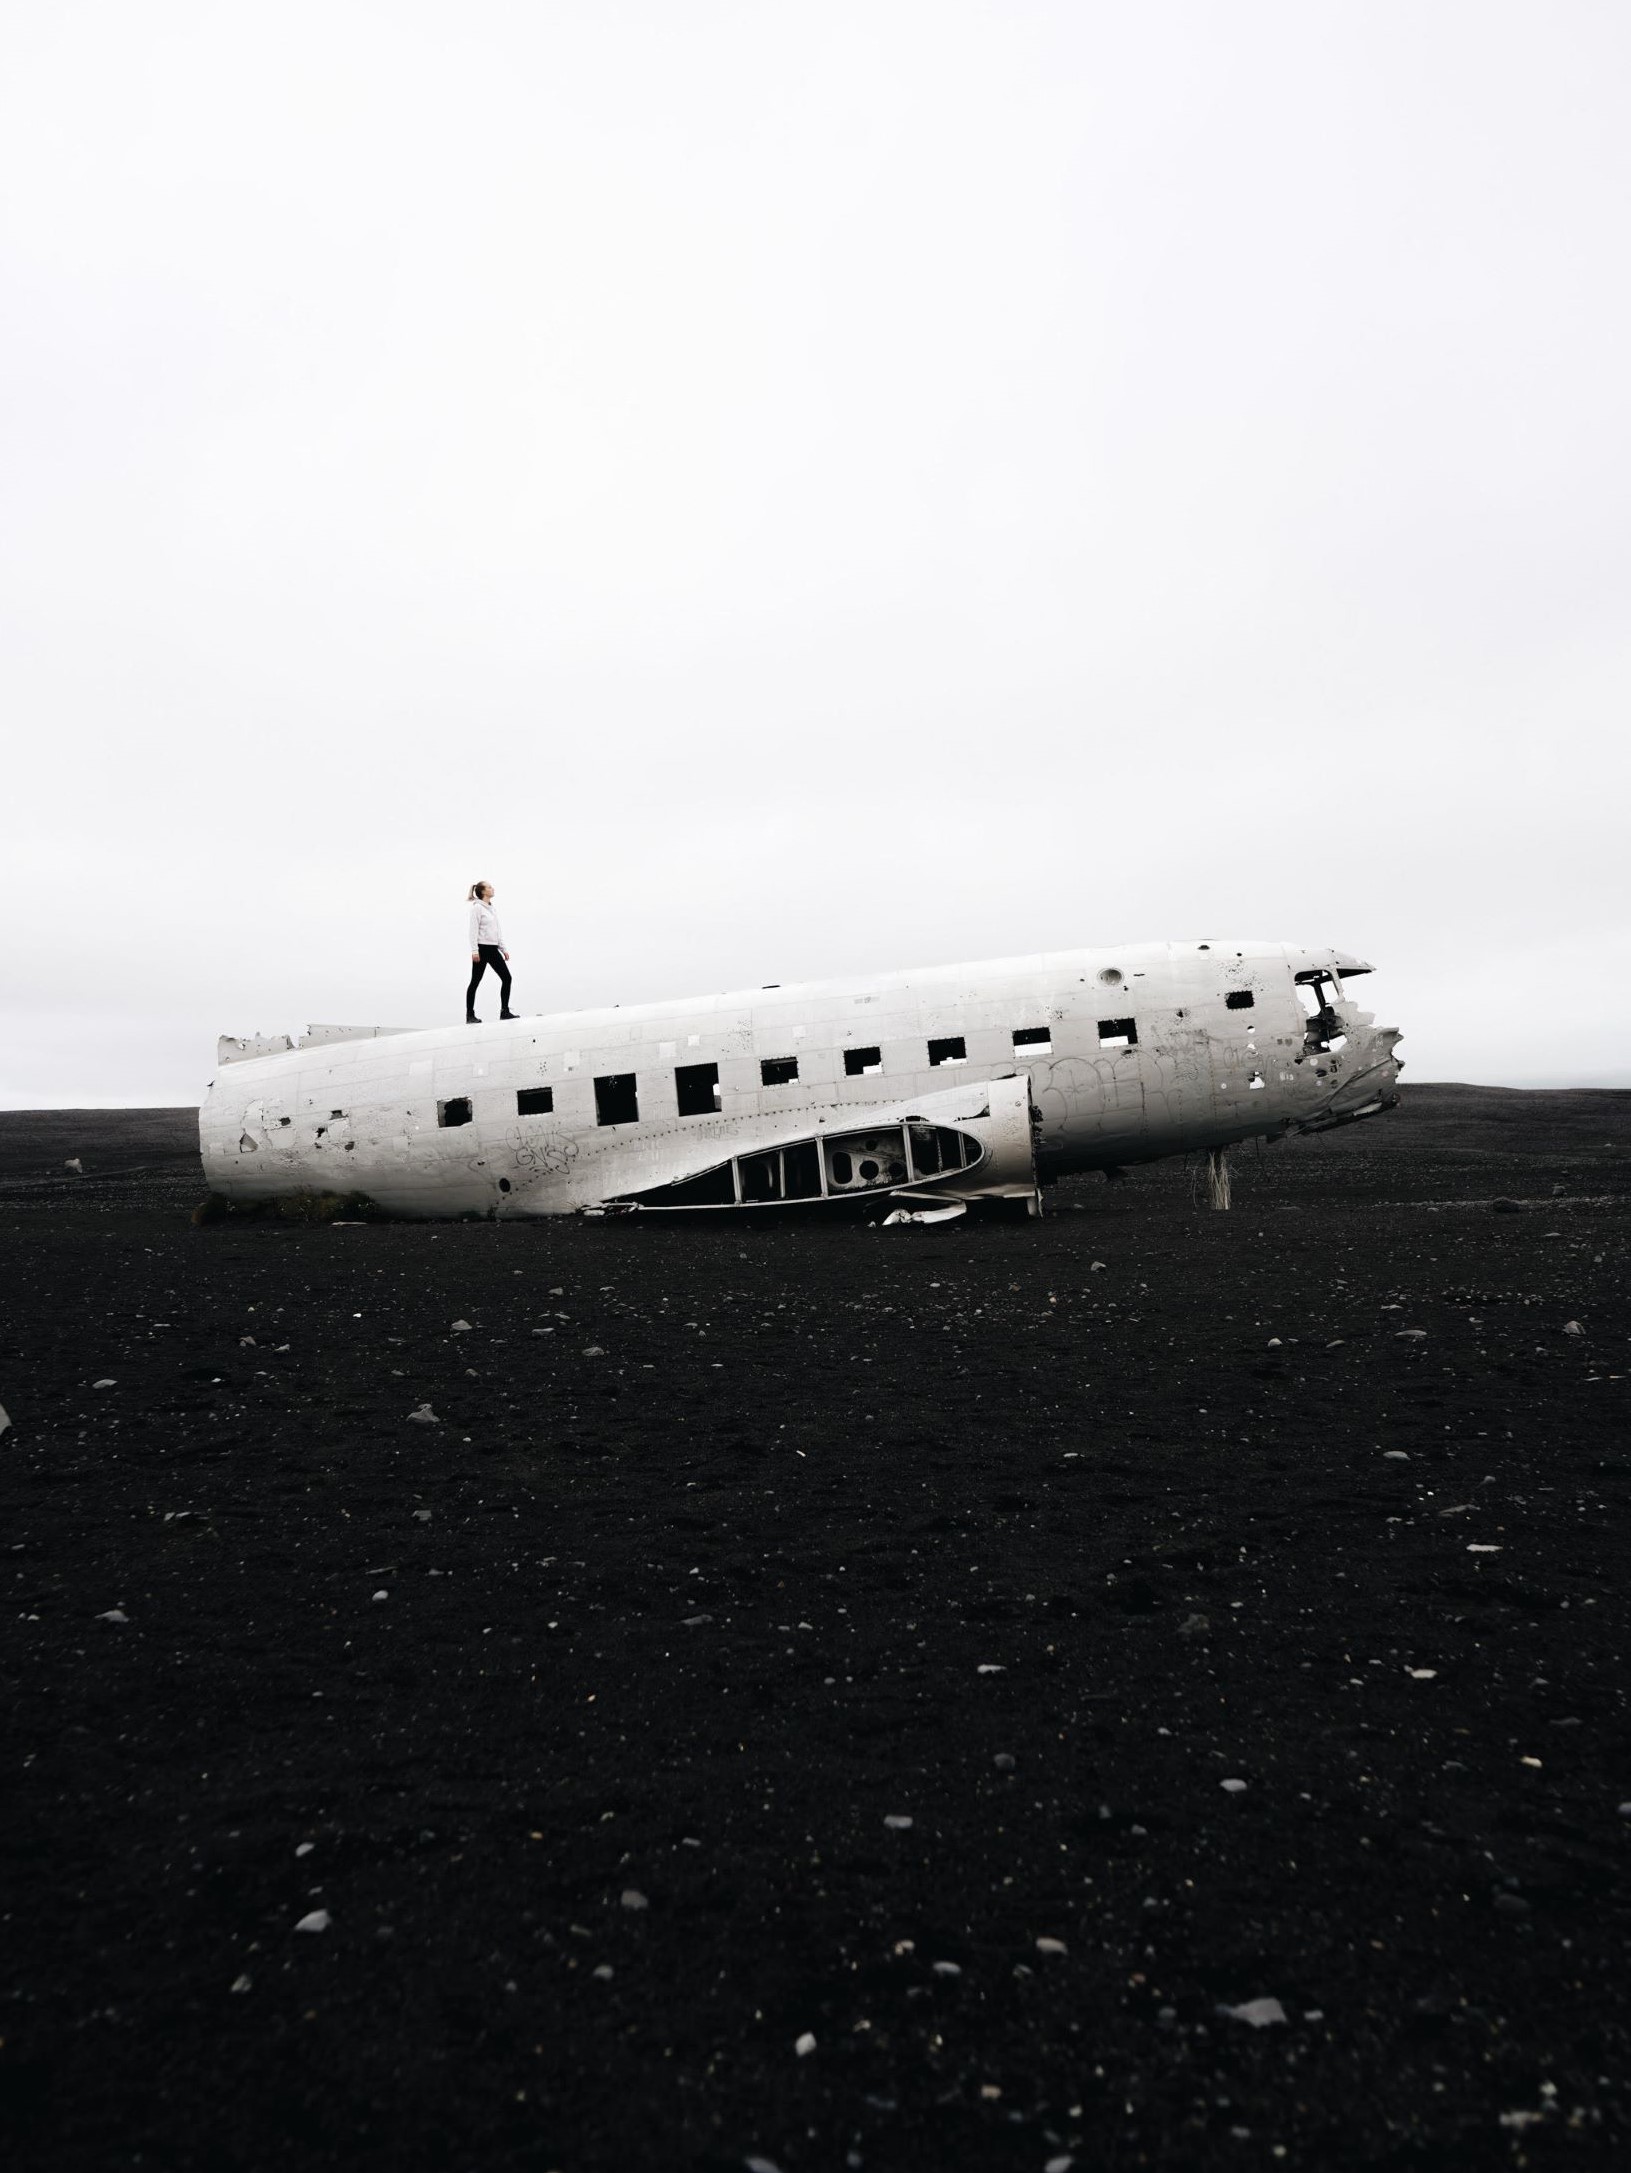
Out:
{"x": 952, "y": 1082}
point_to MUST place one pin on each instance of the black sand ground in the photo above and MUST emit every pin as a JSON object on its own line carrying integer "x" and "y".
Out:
{"x": 591, "y": 1716}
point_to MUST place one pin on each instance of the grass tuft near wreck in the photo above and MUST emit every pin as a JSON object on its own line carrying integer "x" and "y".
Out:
{"x": 289, "y": 1207}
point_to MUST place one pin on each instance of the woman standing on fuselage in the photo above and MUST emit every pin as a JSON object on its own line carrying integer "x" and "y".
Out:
{"x": 486, "y": 949}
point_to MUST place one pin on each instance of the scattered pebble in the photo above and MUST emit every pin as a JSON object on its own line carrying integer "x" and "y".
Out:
{"x": 1051, "y": 1946}
{"x": 897, "y": 1822}
{"x": 1004, "y": 1761}
{"x": 604, "y": 1972}
{"x": 114, "y": 1614}
{"x": 947, "y": 1969}
{"x": 1275, "y": 1344}
{"x": 1396, "y": 1456}
{"x": 241, "y": 1984}
{"x": 1193, "y": 1625}
{"x": 1484, "y": 1547}
{"x": 424, "y": 1416}
{"x": 632, "y": 1898}
{"x": 991, "y": 1667}
{"x": 1422, "y": 1674}
{"x": 1260, "y": 2013}
{"x": 5, "y": 1420}
{"x": 421, "y": 1516}
{"x": 316, "y": 1920}
{"x": 382, "y": 1594}
{"x": 1411, "y": 1335}
{"x": 305, "y": 1848}
{"x": 1094, "y": 1266}
{"x": 805, "y": 2044}
{"x": 1233, "y": 1788}
{"x": 102, "y": 1384}
{"x": 1061, "y": 2164}
{"x": 1573, "y": 1327}
{"x": 594, "y": 1350}
{"x": 461, "y": 1327}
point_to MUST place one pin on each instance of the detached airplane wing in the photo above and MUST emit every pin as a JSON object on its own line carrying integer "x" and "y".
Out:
{"x": 976, "y": 1142}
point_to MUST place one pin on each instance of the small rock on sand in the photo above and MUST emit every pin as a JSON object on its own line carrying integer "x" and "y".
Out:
{"x": 1258, "y": 2012}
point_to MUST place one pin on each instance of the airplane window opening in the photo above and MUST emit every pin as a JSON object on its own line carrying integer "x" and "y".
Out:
{"x": 858, "y": 1061}
{"x": 503, "y": 1184}
{"x": 1315, "y": 991}
{"x": 1239, "y": 999}
{"x": 761, "y": 1176}
{"x": 801, "y": 1171}
{"x": 1037, "y": 1039}
{"x": 616, "y": 1099}
{"x": 456, "y": 1111}
{"x": 843, "y": 1168}
{"x": 709, "y": 1188}
{"x": 952, "y": 1050}
{"x": 778, "y": 1070}
{"x": 1117, "y": 1034}
{"x": 534, "y": 1101}
{"x": 696, "y": 1089}
{"x": 869, "y": 1170}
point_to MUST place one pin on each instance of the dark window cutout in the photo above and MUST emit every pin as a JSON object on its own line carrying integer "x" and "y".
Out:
{"x": 534, "y": 1101}
{"x": 503, "y": 1184}
{"x": 801, "y": 1171}
{"x": 778, "y": 1070}
{"x": 1239, "y": 999}
{"x": 454, "y": 1112}
{"x": 1117, "y": 1034}
{"x": 953, "y": 1050}
{"x": 935, "y": 1148}
{"x": 712, "y": 1188}
{"x": 1033, "y": 1037}
{"x": 696, "y": 1089}
{"x": 616, "y": 1101}
{"x": 761, "y": 1176}
{"x": 857, "y": 1061}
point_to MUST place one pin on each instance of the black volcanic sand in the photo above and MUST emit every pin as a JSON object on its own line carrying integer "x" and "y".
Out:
{"x": 784, "y": 1630}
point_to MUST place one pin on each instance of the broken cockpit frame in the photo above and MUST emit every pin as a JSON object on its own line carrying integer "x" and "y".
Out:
{"x": 1361, "y": 1090}
{"x": 977, "y": 1144}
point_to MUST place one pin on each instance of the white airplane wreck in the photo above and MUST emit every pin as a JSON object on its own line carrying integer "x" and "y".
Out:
{"x": 920, "y": 1091}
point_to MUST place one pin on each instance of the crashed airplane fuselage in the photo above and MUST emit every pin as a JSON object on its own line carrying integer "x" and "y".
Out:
{"x": 946, "y": 1085}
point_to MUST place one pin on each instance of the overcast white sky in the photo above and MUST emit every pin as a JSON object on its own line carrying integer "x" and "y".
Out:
{"x": 792, "y": 489}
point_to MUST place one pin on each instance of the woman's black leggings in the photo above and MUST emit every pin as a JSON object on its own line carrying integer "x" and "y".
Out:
{"x": 492, "y": 956}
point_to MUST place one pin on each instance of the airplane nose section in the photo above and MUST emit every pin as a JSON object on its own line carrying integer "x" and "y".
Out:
{"x": 1363, "y": 1077}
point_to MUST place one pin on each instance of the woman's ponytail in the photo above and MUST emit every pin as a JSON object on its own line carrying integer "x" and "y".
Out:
{"x": 476, "y": 890}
